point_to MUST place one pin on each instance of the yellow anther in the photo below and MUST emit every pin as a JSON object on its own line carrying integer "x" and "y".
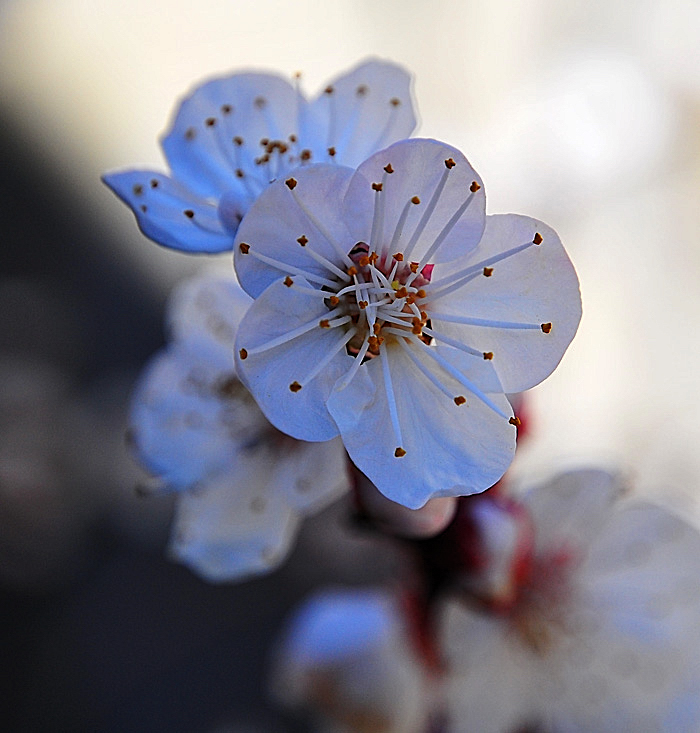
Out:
{"x": 515, "y": 421}
{"x": 474, "y": 187}
{"x": 449, "y": 164}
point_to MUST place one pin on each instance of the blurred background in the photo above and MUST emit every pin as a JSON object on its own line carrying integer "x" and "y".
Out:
{"x": 585, "y": 114}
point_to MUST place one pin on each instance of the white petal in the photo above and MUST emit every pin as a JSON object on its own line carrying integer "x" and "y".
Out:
{"x": 537, "y": 285}
{"x": 451, "y": 450}
{"x": 207, "y": 306}
{"x": 419, "y": 168}
{"x": 269, "y": 374}
{"x": 276, "y": 220}
{"x": 358, "y": 123}
{"x": 160, "y": 211}
{"x": 203, "y": 155}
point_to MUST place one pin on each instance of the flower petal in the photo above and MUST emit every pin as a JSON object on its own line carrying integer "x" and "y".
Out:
{"x": 369, "y": 108}
{"x": 278, "y": 219}
{"x": 200, "y": 145}
{"x": 537, "y": 285}
{"x": 168, "y": 213}
{"x": 451, "y": 449}
{"x": 270, "y": 374}
{"x": 420, "y": 174}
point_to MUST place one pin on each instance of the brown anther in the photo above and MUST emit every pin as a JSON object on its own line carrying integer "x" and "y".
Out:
{"x": 239, "y": 173}
{"x": 292, "y": 138}
{"x": 488, "y": 271}
{"x": 537, "y": 239}
{"x": 399, "y": 452}
{"x": 377, "y": 186}
{"x": 364, "y": 261}
{"x": 137, "y": 189}
{"x": 515, "y": 421}
{"x": 546, "y": 327}
{"x": 401, "y": 292}
{"x": 260, "y": 102}
{"x": 388, "y": 168}
{"x": 226, "y": 109}
{"x": 410, "y": 299}
{"x": 424, "y": 316}
{"x": 421, "y": 293}
{"x": 352, "y": 271}
{"x": 377, "y": 329}
{"x": 243, "y": 353}
{"x": 295, "y": 386}
{"x": 143, "y": 208}
{"x": 334, "y": 300}
{"x": 288, "y": 281}
{"x": 154, "y": 183}
{"x": 394, "y": 101}
{"x": 449, "y": 164}
{"x": 398, "y": 257}
{"x": 305, "y": 155}
{"x": 189, "y": 213}
{"x": 324, "y": 323}
{"x": 331, "y": 151}
{"x": 264, "y": 142}
{"x": 417, "y": 330}
{"x": 303, "y": 241}
{"x": 488, "y": 355}
{"x": 460, "y": 400}
{"x": 328, "y": 90}
{"x": 373, "y": 257}
{"x": 361, "y": 90}
{"x": 210, "y": 121}
{"x": 363, "y": 304}
{"x": 415, "y": 200}
{"x": 245, "y": 248}
{"x": 474, "y": 187}
{"x": 414, "y": 267}
{"x": 291, "y": 183}
{"x": 238, "y": 140}
{"x": 190, "y": 133}
{"x": 373, "y": 342}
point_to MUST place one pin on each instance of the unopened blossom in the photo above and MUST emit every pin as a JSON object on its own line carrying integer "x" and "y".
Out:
{"x": 390, "y": 310}
{"x": 347, "y": 660}
{"x": 233, "y": 135}
{"x": 597, "y": 631}
{"x": 244, "y": 486}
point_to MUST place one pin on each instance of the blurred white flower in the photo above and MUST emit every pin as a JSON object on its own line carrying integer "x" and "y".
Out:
{"x": 233, "y": 135}
{"x": 245, "y": 485}
{"x": 390, "y": 310}
{"x": 599, "y": 635}
{"x": 346, "y": 659}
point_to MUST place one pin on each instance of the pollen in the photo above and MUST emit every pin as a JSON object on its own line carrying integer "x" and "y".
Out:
{"x": 515, "y": 421}
{"x": 154, "y": 183}
{"x": 292, "y": 138}
{"x": 474, "y": 187}
{"x": 399, "y": 452}
{"x": 488, "y": 271}
{"x": 305, "y": 155}
{"x": 238, "y": 140}
{"x": 291, "y": 183}
{"x": 210, "y": 121}
{"x": 189, "y": 213}
{"x": 324, "y": 323}
{"x": 328, "y": 90}
{"x": 460, "y": 400}
{"x": 243, "y": 354}
{"x": 288, "y": 281}
{"x": 546, "y": 327}
{"x": 303, "y": 240}
{"x": 295, "y": 386}
{"x": 245, "y": 248}
{"x": 415, "y": 200}
{"x": 377, "y": 187}
{"x": 537, "y": 239}
{"x": 488, "y": 355}
{"x": 449, "y": 163}
{"x": 388, "y": 168}
{"x": 239, "y": 173}
{"x": 331, "y": 151}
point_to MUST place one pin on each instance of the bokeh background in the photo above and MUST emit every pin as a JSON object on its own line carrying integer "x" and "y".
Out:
{"x": 585, "y": 114}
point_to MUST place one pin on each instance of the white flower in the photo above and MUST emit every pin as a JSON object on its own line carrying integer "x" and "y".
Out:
{"x": 600, "y": 635}
{"x": 233, "y": 135}
{"x": 245, "y": 485}
{"x": 390, "y": 310}
{"x": 346, "y": 657}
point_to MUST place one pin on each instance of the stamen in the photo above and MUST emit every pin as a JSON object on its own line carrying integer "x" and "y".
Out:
{"x": 328, "y": 357}
{"x": 322, "y": 260}
{"x": 515, "y": 421}
{"x": 394, "y": 104}
{"x": 391, "y": 398}
{"x": 197, "y": 221}
{"x": 451, "y": 342}
{"x": 393, "y": 245}
{"x": 445, "y": 231}
{"x": 486, "y": 323}
{"x": 288, "y": 269}
{"x": 357, "y": 363}
{"x": 378, "y": 214}
{"x": 428, "y": 212}
{"x": 286, "y": 337}
{"x": 425, "y": 371}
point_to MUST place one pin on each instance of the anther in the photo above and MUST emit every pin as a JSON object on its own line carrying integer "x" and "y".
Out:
{"x": 334, "y": 300}
{"x": 488, "y": 271}
{"x": 546, "y": 327}
{"x": 474, "y": 187}
{"x": 460, "y": 400}
{"x": 144, "y": 208}
{"x": 303, "y": 241}
{"x": 421, "y": 293}
{"x": 363, "y": 304}
{"x": 398, "y": 257}
{"x": 295, "y": 386}
{"x": 361, "y": 90}
{"x": 537, "y": 239}
{"x": 328, "y": 90}
{"x": 415, "y": 200}
{"x": 331, "y": 151}
{"x": 488, "y": 355}
{"x": 243, "y": 353}
{"x": 394, "y": 101}
{"x": 364, "y": 261}
{"x": 189, "y": 213}
{"x": 377, "y": 329}
{"x": 292, "y": 138}
{"x": 291, "y": 183}
{"x": 137, "y": 189}
{"x": 210, "y": 121}
{"x": 154, "y": 183}
{"x": 239, "y": 173}
{"x": 226, "y": 109}
{"x": 449, "y": 164}
{"x": 352, "y": 271}
{"x": 190, "y": 133}
{"x": 399, "y": 452}
{"x": 288, "y": 281}
{"x": 377, "y": 186}
{"x": 401, "y": 292}
{"x": 324, "y": 323}
{"x": 245, "y": 248}
{"x": 260, "y": 102}
{"x": 388, "y": 168}
{"x": 238, "y": 140}
{"x": 305, "y": 155}
{"x": 264, "y": 142}
{"x": 515, "y": 421}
